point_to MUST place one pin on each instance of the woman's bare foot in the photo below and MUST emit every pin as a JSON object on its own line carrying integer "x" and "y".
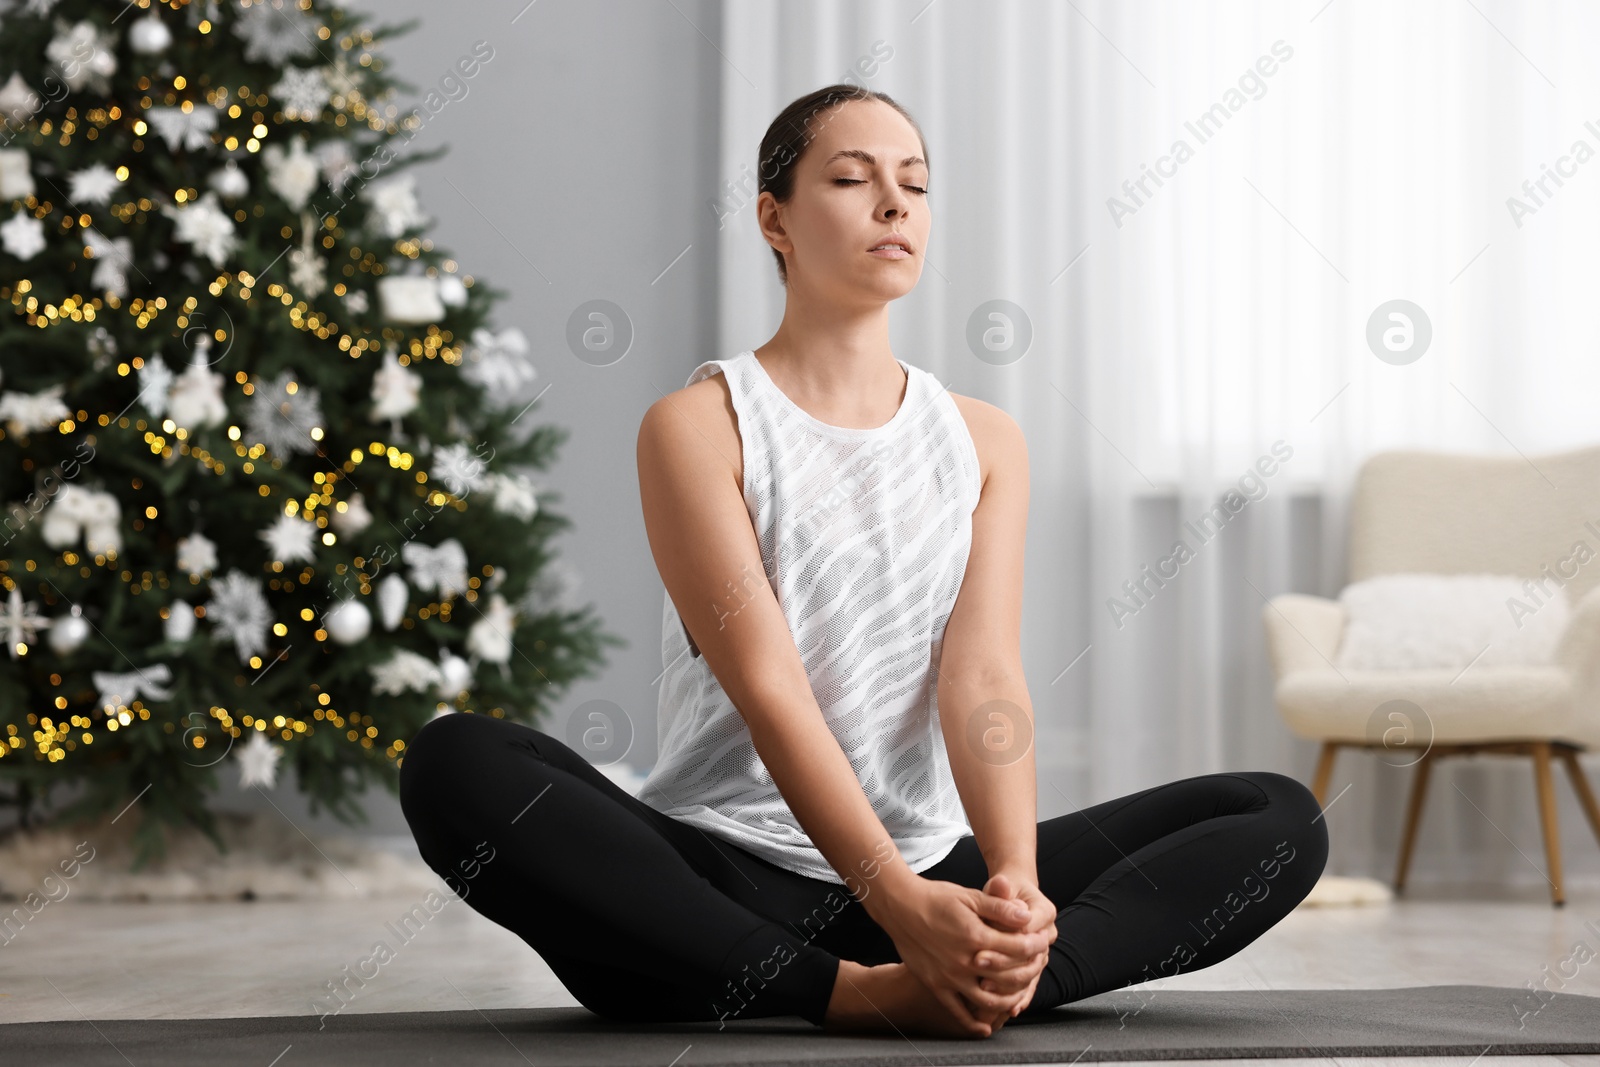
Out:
{"x": 888, "y": 998}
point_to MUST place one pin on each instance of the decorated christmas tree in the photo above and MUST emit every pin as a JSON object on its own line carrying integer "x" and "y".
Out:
{"x": 267, "y": 468}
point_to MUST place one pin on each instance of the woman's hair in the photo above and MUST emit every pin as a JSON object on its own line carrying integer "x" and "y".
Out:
{"x": 795, "y": 128}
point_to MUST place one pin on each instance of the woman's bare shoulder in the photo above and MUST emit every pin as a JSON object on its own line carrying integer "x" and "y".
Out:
{"x": 995, "y": 434}
{"x": 695, "y": 425}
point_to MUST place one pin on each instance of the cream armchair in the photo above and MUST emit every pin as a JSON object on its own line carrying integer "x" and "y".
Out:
{"x": 1449, "y": 514}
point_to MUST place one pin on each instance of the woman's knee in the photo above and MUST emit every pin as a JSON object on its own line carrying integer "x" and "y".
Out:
{"x": 447, "y": 755}
{"x": 1297, "y": 832}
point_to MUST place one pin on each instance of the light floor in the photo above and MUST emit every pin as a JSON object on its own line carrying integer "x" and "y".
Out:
{"x": 80, "y": 959}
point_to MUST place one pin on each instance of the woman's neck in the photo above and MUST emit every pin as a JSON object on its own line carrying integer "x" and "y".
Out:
{"x": 838, "y": 367}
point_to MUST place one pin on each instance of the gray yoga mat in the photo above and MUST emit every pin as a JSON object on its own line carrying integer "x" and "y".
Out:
{"x": 1153, "y": 1024}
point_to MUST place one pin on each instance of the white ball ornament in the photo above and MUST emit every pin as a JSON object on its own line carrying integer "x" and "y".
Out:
{"x": 353, "y": 519}
{"x": 452, "y": 291}
{"x": 348, "y": 622}
{"x": 180, "y": 622}
{"x": 149, "y": 35}
{"x": 456, "y": 675}
{"x": 69, "y": 632}
{"x": 230, "y": 182}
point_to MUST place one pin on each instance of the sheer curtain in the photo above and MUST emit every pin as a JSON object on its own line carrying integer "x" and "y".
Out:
{"x": 1196, "y": 209}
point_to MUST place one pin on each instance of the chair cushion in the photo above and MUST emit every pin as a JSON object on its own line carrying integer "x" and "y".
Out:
{"x": 1423, "y": 621}
{"x": 1435, "y": 706}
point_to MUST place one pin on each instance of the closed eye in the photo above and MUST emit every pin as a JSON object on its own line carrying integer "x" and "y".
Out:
{"x": 859, "y": 181}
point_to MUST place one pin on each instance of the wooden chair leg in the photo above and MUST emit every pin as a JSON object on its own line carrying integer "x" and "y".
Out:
{"x": 1319, "y": 784}
{"x": 1580, "y": 785}
{"x": 1419, "y": 793}
{"x": 1547, "y": 816}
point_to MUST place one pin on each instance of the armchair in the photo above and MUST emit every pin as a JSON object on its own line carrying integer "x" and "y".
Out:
{"x": 1428, "y": 512}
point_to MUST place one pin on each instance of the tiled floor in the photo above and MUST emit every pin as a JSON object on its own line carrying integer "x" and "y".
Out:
{"x": 80, "y": 959}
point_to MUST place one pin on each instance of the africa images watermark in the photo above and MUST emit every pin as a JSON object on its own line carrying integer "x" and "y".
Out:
{"x": 1538, "y": 190}
{"x": 52, "y": 890}
{"x": 740, "y": 994}
{"x": 1251, "y": 486}
{"x": 1253, "y": 888}
{"x": 1566, "y": 970}
{"x": 339, "y": 993}
{"x": 1206, "y": 126}
{"x": 1566, "y": 568}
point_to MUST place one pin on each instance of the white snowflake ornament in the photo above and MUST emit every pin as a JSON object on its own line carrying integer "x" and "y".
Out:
{"x": 203, "y": 225}
{"x": 22, "y": 236}
{"x": 155, "y": 382}
{"x": 395, "y": 201}
{"x": 197, "y": 555}
{"x": 291, "y": 539}
{"x": 239, "y": 609}
{"x": 275, "y": 31}
{"x": 21, "y": 621}
{"x": 18, "y": 101}
{"x": 258, "y": 761}
{"x": 285, "y": 419}
{"x": 93, "y": 184}
{"x": 498, "y": 362}
{"x": 459, "y": 468}
{"x": 82, "y": 55}
{"x": 302, "y": 93}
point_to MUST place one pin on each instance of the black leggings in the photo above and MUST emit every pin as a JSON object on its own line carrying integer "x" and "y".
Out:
{"x": 645, "y": 918}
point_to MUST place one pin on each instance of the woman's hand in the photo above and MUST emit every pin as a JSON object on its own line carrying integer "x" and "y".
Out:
{"x": 940, "y": 928}
{"x": 1006, "y": 975}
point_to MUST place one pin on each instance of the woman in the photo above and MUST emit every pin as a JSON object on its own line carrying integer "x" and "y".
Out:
{"x": 841, "y": 824}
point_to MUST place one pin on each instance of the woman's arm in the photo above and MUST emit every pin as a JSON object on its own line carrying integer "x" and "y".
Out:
{"x": 705, "y": 549}
{"x": 984, "y": 709}
{"x": 710, "y": 563}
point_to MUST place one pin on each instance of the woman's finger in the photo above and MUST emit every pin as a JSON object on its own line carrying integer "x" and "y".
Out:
{"x": 1011, "y": 980}
{"x": 958, "y": 1007}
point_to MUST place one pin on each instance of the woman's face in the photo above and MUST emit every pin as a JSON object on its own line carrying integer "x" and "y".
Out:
{"x": 861, "y": 178}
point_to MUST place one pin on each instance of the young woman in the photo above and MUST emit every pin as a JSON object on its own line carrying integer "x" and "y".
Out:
{"x": 841, "y": 824}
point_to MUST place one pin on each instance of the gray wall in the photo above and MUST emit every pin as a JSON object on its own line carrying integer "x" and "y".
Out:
{"x": 579, "y": 165}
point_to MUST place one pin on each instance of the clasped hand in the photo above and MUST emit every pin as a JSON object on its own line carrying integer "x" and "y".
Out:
{"x": 980, "y": 952}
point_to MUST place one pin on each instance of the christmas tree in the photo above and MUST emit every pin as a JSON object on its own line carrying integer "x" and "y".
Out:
{"x": 266, "y": 491}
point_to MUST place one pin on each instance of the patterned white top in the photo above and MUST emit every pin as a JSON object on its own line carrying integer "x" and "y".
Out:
{"x": 864, "y": 536}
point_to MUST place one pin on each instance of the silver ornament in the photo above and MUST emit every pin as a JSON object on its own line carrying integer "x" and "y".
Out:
{"x": 149, "y": 35}
{"x": 392, "y": 597}
{"x": 348, "y": 622}
{"x": 69, "y": 632}
{"x": 456, "y": 675}
{"x": 180, "y": 621}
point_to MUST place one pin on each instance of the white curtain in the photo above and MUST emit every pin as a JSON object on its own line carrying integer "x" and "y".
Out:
{"x": 1338, "y": 156}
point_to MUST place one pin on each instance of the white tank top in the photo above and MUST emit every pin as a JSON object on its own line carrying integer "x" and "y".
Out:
{"x": 864, "y": 536}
